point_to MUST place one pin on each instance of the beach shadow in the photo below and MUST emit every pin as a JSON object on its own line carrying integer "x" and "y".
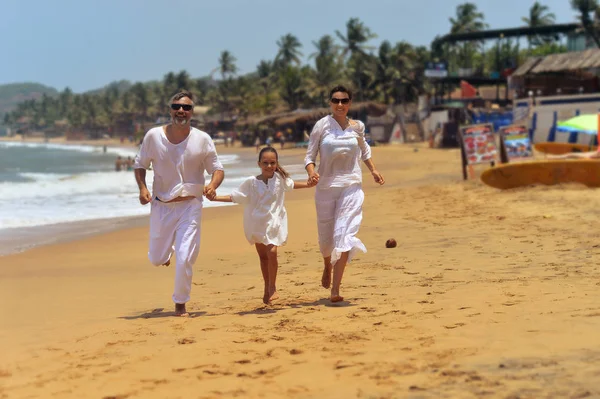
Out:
{"x": 261, "y": 310}
{"x": 160, "y": 312}
{"x": 294, "y": 305}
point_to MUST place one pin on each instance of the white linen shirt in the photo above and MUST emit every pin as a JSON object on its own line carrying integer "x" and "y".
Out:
{"x": 265, "y": 217}
{"x": 340, "y": 152}
{"x": 178, "y": 168}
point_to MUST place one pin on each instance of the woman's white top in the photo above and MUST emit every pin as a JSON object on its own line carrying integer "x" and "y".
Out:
{"x": 341, "y": 151}
{"x": 178, "y": 168}
{"x": 265, "y": 217}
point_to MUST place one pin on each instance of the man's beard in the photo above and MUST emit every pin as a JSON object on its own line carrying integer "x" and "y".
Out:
{"x": 180, "y": 121}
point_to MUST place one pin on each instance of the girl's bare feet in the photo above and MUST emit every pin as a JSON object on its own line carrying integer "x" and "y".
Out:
{"x": 336, "y": 298}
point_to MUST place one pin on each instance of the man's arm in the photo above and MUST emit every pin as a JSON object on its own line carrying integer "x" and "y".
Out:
{"x": 210, "y": 190}
{"x": 140, "y": 179}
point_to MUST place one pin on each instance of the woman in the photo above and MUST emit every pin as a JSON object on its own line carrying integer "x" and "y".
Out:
{"x": 341, "y": 144}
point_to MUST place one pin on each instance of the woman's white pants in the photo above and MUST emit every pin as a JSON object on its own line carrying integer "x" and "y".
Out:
{"x": 175, "y": 228}
{"x": 339, "y": 214}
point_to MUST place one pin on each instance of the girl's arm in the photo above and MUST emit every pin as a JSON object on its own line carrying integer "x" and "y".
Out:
{"x": 222, "y": 198}
{"x": 304, "y": 184}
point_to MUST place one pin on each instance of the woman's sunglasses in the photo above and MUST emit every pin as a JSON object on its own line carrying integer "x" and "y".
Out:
{"x": 340, "y": 101}
{"x": 186, "y": 107}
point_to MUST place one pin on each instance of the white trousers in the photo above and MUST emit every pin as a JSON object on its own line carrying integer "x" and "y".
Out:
{"x": 175, "y": 228}
{"x": 339, "y": 214}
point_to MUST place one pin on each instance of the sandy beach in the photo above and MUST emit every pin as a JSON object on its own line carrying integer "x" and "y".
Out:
{"x": 488, "y": 294}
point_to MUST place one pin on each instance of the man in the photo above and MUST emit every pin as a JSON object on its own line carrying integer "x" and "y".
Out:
{"x": 179, "y": 155}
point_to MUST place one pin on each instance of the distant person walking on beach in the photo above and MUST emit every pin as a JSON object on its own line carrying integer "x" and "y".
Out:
{"x": 257, "y": 143}
{"x": 265, "y": 217}
{"x": 341, "y": 144}
{"x": 118, "y": 164}
{"x": 179, "y": 155}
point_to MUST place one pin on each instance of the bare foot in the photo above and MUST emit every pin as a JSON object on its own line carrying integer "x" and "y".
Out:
{"x": 336, "y": 298}
{"x": 274, "y": 296}
{"x": 180, "y": 310}
{"x": 326, "y": 279}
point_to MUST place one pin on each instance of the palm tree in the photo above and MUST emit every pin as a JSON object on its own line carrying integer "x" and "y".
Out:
{"x": 326, "y": 47}
{"x": 357, "y": 35}
{"x": 327, "y": 66}
{"x": 227, "y": 65}
{"x": 289, "y": 51}
{"x": 169, "y": 85}
{"x": 227, "y": 68}
{"x": 385, "y": 72}
{"x": 539, "y": 16}
{"x": 585, "y": 7}
{"x": 141, "y": 101}
{"x": 291, "y": 86}
{"x": 183, "y": 80}
{"x": 266, "y": 79}
{"x": 361, "y": 71}
{"x": 468, "y": 19}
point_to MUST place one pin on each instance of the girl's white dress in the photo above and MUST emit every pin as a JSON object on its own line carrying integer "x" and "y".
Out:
{"x": 265, "y": 217}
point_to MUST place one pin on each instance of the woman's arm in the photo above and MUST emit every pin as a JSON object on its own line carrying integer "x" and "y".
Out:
{"x": 311, "y": 153}
{"x": 376, "y": 175}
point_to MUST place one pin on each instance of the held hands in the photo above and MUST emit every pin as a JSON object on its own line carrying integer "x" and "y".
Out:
{"x": 145, "y": 196}
{"x": 377, "y": 177}
{"x": 313, "y": 179}
{"x": 210, "y": 192}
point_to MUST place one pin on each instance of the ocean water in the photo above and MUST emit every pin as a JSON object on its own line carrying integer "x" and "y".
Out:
{"x": 45, "y": 184}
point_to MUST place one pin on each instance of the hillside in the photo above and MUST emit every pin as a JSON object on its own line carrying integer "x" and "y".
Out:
{"x": 13, "y": 93}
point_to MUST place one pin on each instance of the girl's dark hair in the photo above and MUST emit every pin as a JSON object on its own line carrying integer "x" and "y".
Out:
{"x": 279, "y": 169}
{"x": 341, "y": 89}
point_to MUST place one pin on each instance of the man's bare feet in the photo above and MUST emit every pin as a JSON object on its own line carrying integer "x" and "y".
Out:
{"x": 180, "y": 310}
{"x": 336, "y": 298}
{"x": 326, "y": 279}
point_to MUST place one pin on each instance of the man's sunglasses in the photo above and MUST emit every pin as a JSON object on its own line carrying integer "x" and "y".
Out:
{"x": 186, "y": 107}
{"x": 340, "y": 100}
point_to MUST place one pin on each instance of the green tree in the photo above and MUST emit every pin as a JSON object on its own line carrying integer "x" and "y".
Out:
{"x": 467, "y": 19}
{"x": 289, "y": 51}
{"x": 356, "y": 37}
{"x": 539, "y": 15}
{"x": 327, "y": 67}
{"x": 585, "y": 8}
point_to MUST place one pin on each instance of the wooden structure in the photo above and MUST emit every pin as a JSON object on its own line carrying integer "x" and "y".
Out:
{"x": 443, "y": 85}
{"x": 563, "y": 73}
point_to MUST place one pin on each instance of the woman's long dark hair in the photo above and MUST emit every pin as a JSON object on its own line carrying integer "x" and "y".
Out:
{"x": 279, "y": 169}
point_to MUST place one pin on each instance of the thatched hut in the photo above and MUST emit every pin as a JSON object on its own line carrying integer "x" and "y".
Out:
{"x": 563, "y": 73}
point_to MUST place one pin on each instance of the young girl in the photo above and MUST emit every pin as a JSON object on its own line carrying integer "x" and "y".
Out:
{"x": 265, "y": 217}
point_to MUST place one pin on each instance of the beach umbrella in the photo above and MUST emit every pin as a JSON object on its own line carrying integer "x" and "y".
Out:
{"x": 587, "y": 123}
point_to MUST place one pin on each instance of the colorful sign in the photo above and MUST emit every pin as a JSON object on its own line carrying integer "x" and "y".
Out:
{"x": 436, "y": 69}
{"x": 516, "y": 141}
{"x": 479, "y": 143}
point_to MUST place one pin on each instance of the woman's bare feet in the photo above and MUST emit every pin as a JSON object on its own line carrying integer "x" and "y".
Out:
{"x": 180, "y": 310}
{"x": 274, "y": 296}
{"x": 326, "y": 279}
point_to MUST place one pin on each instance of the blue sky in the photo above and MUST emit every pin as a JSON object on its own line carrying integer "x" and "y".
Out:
{"x": 86, "y": 44}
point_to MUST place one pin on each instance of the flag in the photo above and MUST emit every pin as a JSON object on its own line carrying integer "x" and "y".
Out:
{"x": 466, "y": 90}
